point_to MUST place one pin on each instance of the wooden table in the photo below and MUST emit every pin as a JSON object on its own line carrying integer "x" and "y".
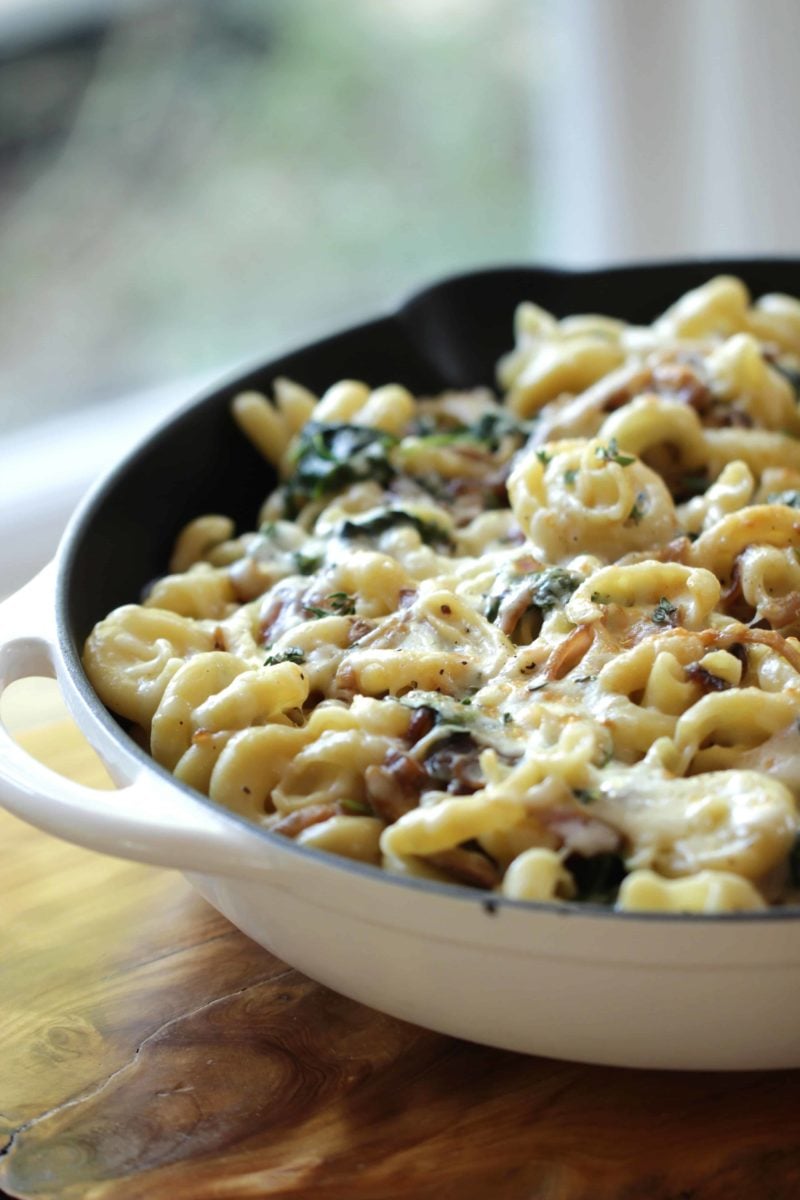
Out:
{"x": 150, "y": 1050}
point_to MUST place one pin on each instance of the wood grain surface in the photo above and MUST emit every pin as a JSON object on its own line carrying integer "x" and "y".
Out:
{"x": 149, "y": 1050}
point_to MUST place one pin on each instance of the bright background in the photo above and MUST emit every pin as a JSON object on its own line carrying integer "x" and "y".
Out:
{"x": 190, "y": 184}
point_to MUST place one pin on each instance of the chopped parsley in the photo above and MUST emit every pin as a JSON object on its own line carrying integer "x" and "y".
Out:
{"x": 587, "y": 795}
{"x": 291, "y": 654}
{"x": 553, "y": 587}
{"x": 339, "y": 605}
{"x": 601, "y": 598}
{"x": 610, "y": 453}
{"x": 570, "y": 476}
{"x": 543, "y": 457}
{"x": 665, "y": 612}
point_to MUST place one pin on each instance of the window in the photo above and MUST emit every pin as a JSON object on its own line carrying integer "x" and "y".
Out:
{"x": 188, "y": 185}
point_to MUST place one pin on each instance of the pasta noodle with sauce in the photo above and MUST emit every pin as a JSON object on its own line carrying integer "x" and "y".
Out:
{"x": 546, "y": 644}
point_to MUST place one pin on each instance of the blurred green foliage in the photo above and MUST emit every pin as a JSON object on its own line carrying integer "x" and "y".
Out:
{"x": 228, "y": 179}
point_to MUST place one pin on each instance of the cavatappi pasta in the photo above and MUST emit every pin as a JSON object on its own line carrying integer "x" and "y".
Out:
{"x": 544, "y": 645}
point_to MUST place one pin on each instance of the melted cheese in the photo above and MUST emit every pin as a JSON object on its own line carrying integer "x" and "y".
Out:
{"x": 545, "y": 645}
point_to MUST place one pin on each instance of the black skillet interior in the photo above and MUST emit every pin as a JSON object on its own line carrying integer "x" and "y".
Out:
{"x": 449, "y": 335}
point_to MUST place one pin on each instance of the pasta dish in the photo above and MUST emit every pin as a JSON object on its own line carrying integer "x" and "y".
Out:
{"x": 542, "y": 641}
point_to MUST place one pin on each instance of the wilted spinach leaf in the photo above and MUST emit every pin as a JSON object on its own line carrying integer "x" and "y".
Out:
{"x": 371, "y": 526}
{"x": 328, "y": 458}
{"x": 489, "y": 430}
{"x": 292, "y": 654}
{"x": 544, "y": 590}
{"x": 552, "y": 588}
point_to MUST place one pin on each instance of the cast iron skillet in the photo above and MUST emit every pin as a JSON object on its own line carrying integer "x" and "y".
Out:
{"x": 661, "y": 970}
{"x": 448, "y": 335}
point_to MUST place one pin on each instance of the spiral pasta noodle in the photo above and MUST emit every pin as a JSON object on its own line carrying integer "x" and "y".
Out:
{"x": 544, "y": 643}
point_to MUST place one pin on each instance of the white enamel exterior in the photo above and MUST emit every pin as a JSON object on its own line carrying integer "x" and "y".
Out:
{"x": 685, "y": 992}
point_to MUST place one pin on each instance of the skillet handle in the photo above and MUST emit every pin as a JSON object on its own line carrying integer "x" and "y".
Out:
{"x": 149, "y": 819}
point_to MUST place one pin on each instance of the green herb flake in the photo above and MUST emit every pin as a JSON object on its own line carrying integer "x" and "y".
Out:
{"x": 639, "y": 508}
{"x": 449, "y": 711}
{"x": 543, "y": 457}
{"x": 601, "y": 598}
{"x": 610, "y": 453}
{"x": 587, "y": 795}
{"x": 493, "y": 607}
{"x": 665, "y": 612}
{"x": 507, "y": 718}
{"x": 291, "y": 654}
{"x": 339, "y": 604}
{"x": 570, "y": 476}
{"x": 553, "y": 587}
{"x": 547, "y": 589}
{"x": 488, "y": 431}
{"x": 306, "y": 564}
{"x": 356, "y": 808}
